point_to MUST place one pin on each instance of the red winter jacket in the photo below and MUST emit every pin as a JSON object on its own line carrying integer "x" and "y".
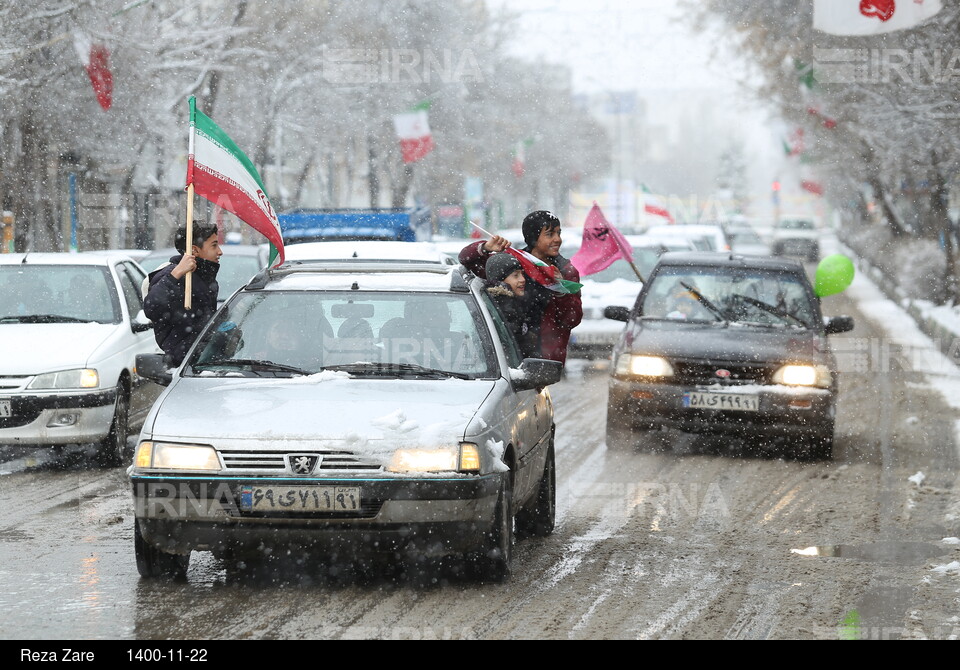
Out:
{"x": 560, "y": 313}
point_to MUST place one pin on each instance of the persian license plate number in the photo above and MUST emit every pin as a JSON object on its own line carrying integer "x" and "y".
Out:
{"x": 5, "y": 408}
{"x": 728, "y": 401}
{"x": 300, "y": 498}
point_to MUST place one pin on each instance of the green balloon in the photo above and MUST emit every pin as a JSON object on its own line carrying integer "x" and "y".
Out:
{"x": 834, "y": 275}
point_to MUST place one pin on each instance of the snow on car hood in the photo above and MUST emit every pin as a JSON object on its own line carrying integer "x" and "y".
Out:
{"x": 46, "y": 347}
{"x": 735, "y": 342}
{"x": 366, "y": 414}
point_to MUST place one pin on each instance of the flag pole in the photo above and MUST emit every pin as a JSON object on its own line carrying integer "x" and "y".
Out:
{"x": 629, "y": 260}
{"x": 188, "y": 243}
{"x": 188, "y": 248}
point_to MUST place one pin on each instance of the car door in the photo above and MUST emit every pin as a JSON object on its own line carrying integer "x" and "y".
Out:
{"x": 527, "y": 412}
{"x": 139, "y": 339}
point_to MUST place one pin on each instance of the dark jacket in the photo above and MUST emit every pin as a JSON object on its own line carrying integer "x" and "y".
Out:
{"x": 174, "y": 327}
{"x": 513, "y": 312}
{"x": 551, "y": 315}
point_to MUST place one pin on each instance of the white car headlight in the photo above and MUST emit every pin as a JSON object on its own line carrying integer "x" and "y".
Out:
{"x": 644, "y": 366}
{"x": 84, "y": 378}
{"x": 157, "y": 455}
{"x": 803, "y": 375}
{"x": 463, "y": 458}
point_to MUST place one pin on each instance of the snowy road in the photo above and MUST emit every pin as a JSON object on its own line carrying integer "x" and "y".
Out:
{"x": 704, "y": 540}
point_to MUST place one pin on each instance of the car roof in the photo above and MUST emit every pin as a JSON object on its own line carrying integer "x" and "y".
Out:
{"x": 361, "y": 276}
{"x": 365, "y": 251}
{"x": 62, "y": 258}
{"x": 728, "y": 259}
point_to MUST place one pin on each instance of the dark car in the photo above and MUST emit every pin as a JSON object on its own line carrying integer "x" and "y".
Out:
{"x": 725, "y": 344}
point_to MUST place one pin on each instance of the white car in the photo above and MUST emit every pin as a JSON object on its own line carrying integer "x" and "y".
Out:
{"x": 705, "y": 237}
{"x": 796, "y": 236}
{"x": 71, "y": 327}
{"x": 744, "y": 240}
{"x": 367, "y": 251}
{"x": 348, "y": 407}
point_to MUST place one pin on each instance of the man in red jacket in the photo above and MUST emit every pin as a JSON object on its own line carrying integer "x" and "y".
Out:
{"x": 556, "y": 313}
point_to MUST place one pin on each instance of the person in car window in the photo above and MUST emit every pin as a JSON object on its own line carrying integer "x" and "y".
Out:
{"x": 175, "y": 327}
{"x": 506, "y": 286}
{"x": 551, "y": 315}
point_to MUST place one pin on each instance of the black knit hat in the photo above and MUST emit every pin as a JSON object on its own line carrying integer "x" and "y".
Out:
{"x": 500, "y": 266}
{"x": 535, "y": 222}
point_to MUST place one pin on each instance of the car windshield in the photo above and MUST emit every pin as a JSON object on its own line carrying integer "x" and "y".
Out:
{"x": 235, "y": 271}
{"x": 57, "y": 294}
{"x": 729, "y": 295}
{"x": 745, "y": 237}
{"x": 389, "y": 334}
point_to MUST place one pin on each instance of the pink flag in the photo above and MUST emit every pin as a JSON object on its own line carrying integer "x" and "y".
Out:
{"x": 602, "y": 245}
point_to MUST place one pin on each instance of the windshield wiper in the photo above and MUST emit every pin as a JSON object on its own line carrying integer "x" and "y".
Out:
{"x": 43, "y": 318}
{"x": 394, "y": 368}
{"x": 776, "y": 311}
{"x": 252, "y": 363}
{"x": 717, "y": 312}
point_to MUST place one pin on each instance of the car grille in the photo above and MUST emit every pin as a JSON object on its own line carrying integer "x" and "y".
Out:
{"x": 698, "y": 372}
{"x": 12, "y": 382}
{"x": 276, "y": 462}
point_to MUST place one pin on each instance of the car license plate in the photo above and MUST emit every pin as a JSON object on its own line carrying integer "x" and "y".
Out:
{"x": 732, "y": 401}
{"x": 595, "y": 338}
{"x": 5, "y": 408}
{"x": 300, "y": 498}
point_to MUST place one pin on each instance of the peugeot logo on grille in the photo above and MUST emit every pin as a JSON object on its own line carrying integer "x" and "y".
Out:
{"x": 303, "y": 464}
{"x": 723, "y": 374}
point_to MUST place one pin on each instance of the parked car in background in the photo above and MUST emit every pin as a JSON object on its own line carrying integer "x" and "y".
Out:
{"x": 348, "y": 408}
{"x": 238, "y": 264}
{"x": 725, "y": 344}
{"x": 71, "y": 326}
{"x": 796, "y": 236}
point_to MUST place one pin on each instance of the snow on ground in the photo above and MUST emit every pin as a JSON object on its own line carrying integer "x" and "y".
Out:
{"x": 901, "y": 329}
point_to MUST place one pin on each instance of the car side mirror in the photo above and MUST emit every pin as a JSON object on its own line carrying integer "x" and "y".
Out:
{"x": 535, "y": 373}
{"x": 617, "y": 313}
{"x": 141, "y": 323}
{"x": 154, "y": 368}
{"x": 838, "y": 324}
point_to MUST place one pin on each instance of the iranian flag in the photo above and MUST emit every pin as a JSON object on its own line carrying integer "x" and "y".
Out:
{"x": 223, "y": 174}
{"x": 413, "y": 129}
{"x": 544, "y": 274}
{"x": 654, "y": 205}
{"x": 519, "y": 166}
{"x": 871, "y": 17}
{"x": 95, "y": 59}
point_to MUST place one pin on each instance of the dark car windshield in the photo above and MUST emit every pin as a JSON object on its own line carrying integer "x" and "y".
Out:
{"x": 739, "y": 295}
{"x": 389, "y": 334}
{"x": 57, "y": 294}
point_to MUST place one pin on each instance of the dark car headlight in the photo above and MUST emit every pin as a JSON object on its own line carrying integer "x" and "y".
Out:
{"x": 803, "y": 375}
{"x": 643, "y": 366}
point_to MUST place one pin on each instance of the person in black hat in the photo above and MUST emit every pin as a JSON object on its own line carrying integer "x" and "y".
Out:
{"x": 506, "y": 286}
{"x": 174, "y": 327}
{"x": 551, "y": 315}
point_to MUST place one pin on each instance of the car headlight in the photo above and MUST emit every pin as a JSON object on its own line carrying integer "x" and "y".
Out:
{"x": 644, "y": 366}
{"x": 83, "y": 378}
{"x": 463, "y": 458}
{"x": 157, "y": 455}
{"x": 803, "y": 375}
